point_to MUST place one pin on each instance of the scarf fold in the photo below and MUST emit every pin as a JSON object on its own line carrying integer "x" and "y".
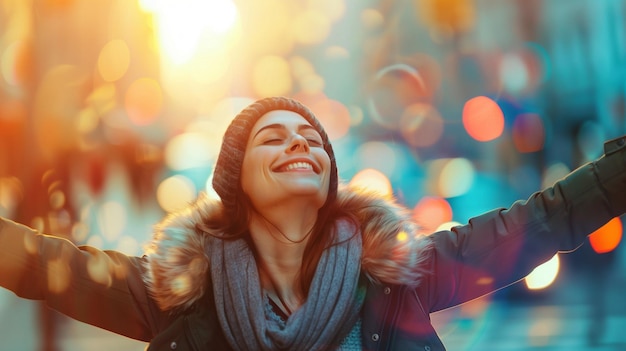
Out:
{"x": 331, "y": 309}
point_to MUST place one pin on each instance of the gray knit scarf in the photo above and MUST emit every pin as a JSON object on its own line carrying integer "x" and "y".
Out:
{"x": 321, "y": 323}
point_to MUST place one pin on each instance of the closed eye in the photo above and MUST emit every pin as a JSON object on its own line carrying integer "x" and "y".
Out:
{"x": 272, "y": 141}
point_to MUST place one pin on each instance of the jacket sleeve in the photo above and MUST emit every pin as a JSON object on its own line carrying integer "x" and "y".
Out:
{"x": 502, "y": 246}
{"x": 101, "y": 288}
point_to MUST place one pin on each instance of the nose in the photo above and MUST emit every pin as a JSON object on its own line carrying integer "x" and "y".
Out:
{"x": 298, "y": 144}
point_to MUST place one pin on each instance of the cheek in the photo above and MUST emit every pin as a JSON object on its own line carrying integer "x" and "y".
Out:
{"x": 325, "y": 161}
{"x": 246, "y": 175}
{"x": 253, "y": 171}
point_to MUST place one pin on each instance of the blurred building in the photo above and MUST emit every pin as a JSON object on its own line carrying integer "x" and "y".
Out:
{"x": 111, "y": 114}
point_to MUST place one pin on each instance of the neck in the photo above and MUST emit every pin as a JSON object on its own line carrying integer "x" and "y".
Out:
{"x": 286, "y": 222}
{"x": 280, "y": 239}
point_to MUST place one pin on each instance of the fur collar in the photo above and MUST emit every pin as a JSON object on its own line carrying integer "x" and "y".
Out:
{"x": 177, "y": 264}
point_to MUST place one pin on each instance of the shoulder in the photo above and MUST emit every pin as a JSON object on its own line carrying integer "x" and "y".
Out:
{"x": 394, "y": 250}
{"x": 177, "y": 261}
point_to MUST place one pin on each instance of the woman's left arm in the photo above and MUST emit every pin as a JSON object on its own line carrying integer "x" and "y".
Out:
{"x": 502, "y": 246}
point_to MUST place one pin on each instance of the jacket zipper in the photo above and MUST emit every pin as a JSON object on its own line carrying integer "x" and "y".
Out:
{"x": 390, "y": 327}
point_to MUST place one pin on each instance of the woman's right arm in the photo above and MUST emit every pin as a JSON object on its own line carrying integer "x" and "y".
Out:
{"x": 101, "y": 288}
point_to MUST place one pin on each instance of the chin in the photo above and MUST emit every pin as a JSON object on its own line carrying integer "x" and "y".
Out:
{"x": 315, "y": 196}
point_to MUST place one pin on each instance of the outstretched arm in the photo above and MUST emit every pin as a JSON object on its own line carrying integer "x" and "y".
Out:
{"x": 503, "y": 246}
{"x": 101, "y": 288}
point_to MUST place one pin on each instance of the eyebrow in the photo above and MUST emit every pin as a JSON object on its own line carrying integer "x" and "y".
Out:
{"x": 301, "y": 127}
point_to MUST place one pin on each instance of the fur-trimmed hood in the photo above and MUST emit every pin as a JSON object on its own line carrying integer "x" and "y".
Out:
{"x": 393, "y": 249}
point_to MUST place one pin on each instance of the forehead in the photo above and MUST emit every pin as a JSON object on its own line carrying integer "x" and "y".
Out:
{"x": 282, "y": 117}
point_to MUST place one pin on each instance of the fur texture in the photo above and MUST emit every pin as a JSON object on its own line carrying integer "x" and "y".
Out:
{"x": 393, "y": 249}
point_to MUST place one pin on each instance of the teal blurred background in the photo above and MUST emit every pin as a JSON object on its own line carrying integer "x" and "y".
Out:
{"x": 112, "y": 112}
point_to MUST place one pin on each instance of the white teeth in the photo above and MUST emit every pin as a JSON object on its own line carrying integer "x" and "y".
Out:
{"x": 298, "y": 165}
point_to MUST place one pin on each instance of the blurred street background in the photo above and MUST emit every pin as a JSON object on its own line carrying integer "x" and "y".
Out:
{"x": 112, "y": 112}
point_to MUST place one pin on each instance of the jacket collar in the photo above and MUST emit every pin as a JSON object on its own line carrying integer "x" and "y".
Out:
{"x": 177, "y": 262}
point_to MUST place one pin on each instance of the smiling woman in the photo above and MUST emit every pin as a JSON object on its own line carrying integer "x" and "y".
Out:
{"x": 287, "y": 259}
{"x": 285, "y": 164}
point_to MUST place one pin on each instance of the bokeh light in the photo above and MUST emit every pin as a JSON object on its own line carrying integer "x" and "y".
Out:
{"x": 336, "y": 52}
{"x": 528, "y": 133}
{"x": 95, "y": 240}
{"x": 475, "y": 308}
{"x": 483, "y": 119}
{"x": 450, "y": 177}
{"x": 215, "y": 67}
{"x": 333, "y": 9}
{"x": 546, "y": 322}
{"x": 98, "y": 269}
{"x": 114, "y": 60}
{"x": 272, "y": 76}
{"x": 80, "y": 231}
{"x": 446, "y": 15}
{"x": 430, "y": 74}
{"x": 59, "y": 275}
{"x": 144, "y": 101}
{"x": 607, "y": 238}
{"x": 311, "y": 27}
{"x": 306, "y": 77}
{"x": 431, "y": 212}
{"x": 372, "y": 18}
{"x": 11, "y": 193}
{"x": 87, "y": 120}
{"x": 523, "y": 69}
{"x": 181, "y": 284}
{"x": 189, "y": 150}
{"x": 395, "y": 88}
{"x": 103, "y": 98}
{"x": 175, "y": 193}
{"x": 128, "y": 103}
{"x": 333, "y": 115}
{"x": 554, "y": 173}
{"x": 372, "y": 180}
{"x": 56, "y": 200}
{"x": 112, "y": 219}
{"x": 212, "y": 125}
{"x": 541, "y": 62}
{"x": 128, "y": 245}
{"x": 513, "y": 73}
{"x": 16, "y": 63}
{"x": 590, "y": 139}
{"x": 447, "y": 225}
{"x": 421, "y": 125}
{"x": 208, "y": 188}
{"x": 542, "y": 276}
{"x": 185, "y": 24}
{"x": 402, "y": 236}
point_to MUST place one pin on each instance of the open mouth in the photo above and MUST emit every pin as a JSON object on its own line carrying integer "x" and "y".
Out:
{"x": 296, "y": 166}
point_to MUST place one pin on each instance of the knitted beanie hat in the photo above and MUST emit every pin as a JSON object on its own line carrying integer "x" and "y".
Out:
{"x": 227, "y": 171}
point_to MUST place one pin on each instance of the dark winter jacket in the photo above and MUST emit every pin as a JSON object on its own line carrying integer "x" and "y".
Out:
{"x": 165, "y": 297}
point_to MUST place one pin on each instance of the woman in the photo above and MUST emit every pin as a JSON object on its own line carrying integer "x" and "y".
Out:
{"x": 287, "y": 260}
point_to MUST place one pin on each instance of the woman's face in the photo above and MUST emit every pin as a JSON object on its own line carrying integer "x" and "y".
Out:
{"x": 284, "y": 159}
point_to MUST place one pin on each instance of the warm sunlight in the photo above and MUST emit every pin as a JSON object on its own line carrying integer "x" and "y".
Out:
{"x": 184, "y": 24}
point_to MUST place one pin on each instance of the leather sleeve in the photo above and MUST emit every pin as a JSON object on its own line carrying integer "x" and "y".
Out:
{"x": 101, "y": 288}
{"x": 502, "y": 246}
